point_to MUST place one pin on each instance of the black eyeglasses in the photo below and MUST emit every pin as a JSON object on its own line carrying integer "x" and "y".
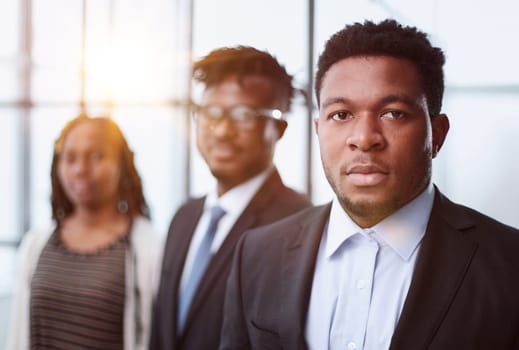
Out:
{"x": 242, "y": 117}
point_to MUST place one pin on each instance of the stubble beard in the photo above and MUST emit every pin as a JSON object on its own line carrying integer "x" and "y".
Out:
{"x": 366, "y": 210}
{"x": 373, "y": 211}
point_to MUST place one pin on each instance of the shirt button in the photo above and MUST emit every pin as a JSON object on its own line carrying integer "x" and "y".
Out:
{"x": 361, "y": 284}
{"x": 351, "y": 346}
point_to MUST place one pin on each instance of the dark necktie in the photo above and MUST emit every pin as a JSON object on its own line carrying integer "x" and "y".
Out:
{"x": 203, "y": 255}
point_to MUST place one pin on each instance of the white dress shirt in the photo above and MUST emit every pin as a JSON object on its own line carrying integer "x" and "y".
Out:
{"x": 362, "y": 277}
{"x": 234, "y": 203}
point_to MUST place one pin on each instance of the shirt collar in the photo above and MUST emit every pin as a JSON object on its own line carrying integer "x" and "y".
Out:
{"x": 237, "y": 198}
{"x": 402, "y": 230}
{"x": 340, "y": 228}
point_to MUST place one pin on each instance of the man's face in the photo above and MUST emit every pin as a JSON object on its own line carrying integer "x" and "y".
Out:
{"x": 233, "y": 153}
{"x": 375, "y": 134}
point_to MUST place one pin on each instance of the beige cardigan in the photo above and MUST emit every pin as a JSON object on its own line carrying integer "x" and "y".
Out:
{"x": 142, "y": 275}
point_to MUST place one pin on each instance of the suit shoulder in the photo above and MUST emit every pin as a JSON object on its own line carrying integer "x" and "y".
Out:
{"x": 289, "y": 196}
{"x": 492, "y": 229}
{"x": 490, "y": 223}
{"x": 489, "y": 232}
{"x": 189, "y": 206}
{"x": 274, "y": 188}
{"x": 266, "y": 243}
{"x": 191, "y": 202}
{"x": 290, "y": 193}
{"x": 287, "y": 225}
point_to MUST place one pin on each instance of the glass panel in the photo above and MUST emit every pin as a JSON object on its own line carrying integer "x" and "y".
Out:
{"x": 9, "y": 28}
{"x": 7, "y": 266}
{"x": 290, "y": 157}
{"x": 478, "y": 165}
{"x": 481, "y": 49}
{"x": 157, "y": 137}
{"x": 9, "y": 82}
{"x": 56, "y": 52}
{"x": 254, "y": 23}
{"x": 57, "y": 33}
{"x": 10, "y": 176}
{"x": 57, "y": 85}
{"x": 129, "y": 51}
{"x": 10, "y": 38}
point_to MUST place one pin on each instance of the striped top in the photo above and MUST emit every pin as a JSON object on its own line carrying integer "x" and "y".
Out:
{"x": 77, "y": 299}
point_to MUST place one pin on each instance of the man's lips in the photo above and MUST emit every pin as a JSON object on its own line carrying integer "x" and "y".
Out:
{"x": 366, "y": 174}
{"x": 223, "y": 151}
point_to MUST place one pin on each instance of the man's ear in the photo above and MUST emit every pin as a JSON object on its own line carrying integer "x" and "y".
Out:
{"x": 440, "y": 127}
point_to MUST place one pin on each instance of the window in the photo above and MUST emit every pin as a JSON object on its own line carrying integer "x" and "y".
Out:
{"x": 131, "y": 59}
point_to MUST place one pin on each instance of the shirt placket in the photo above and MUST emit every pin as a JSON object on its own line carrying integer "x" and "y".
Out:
{"x": 349, "y": 327}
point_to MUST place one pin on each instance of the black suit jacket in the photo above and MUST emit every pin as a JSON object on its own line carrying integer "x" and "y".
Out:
{"x": 202, "y": 329}
{"x": 464, "y": 292}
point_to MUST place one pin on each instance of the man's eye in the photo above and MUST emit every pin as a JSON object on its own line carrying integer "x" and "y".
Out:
{"x": 243, "y": 113}
{"x": 212, "y": 112}
{"x": 340, "y": 116}
{"x": 394, "y": 114}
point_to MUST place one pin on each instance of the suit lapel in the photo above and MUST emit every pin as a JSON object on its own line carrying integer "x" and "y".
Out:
{"x": 298, "y": 263}
{"x": 181, "y": 232}
{"x": 444, "y": 259}
{"x": 221, "y": 260}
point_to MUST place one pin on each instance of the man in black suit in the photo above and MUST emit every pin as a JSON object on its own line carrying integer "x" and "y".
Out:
{"x": 391, "y": 263}
{"x": 238, "y": 123}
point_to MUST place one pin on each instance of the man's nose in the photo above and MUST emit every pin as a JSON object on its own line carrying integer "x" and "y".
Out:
{"x": 366, "y": 134}
{"x": 224, "y": 128}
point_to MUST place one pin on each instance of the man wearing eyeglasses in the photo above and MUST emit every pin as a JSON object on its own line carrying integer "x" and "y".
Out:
{"x": 238, "y": 123}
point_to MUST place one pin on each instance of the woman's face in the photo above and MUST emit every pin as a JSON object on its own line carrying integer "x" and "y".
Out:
{"x": 89, "y": 167}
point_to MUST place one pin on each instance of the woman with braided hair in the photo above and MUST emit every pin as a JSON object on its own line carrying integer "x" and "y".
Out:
{"x": 89, "y": 280}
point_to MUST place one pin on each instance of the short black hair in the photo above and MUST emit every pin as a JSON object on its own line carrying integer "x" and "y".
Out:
{"x": 245, "y": 61}
{"x": 388, "y": 38}
{"x": 130, "y": 185}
